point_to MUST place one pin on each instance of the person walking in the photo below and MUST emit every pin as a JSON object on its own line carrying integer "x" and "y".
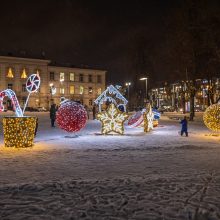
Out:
{"x": 94, "y": 112}
{"x": 184, "y": 126}
{"x": 53, "y": 110}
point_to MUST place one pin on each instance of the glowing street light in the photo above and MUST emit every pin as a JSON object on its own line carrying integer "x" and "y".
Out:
{"x": 128, "y": 85}
{"x": 145, "y": 78}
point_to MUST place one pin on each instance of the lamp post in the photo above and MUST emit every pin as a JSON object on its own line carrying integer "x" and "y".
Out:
{"x": 128, "y": 85}
{"x": 145, "y": 78}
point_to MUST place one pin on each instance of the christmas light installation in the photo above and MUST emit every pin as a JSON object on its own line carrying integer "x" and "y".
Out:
{"x": 32, "y": 85}
{"x": 111, "y": 95}
{"x": 136, "y": 119}
{"x": 112, "y": 120}
{"x": 12, "y": 96}
{"x": 148, "y": 116}
{"x": 211, "y": 117}
{"x": 71, "y": 116}
{"x": 19, "y": 130}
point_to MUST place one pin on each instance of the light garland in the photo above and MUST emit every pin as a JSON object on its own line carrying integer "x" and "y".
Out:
{"x": 112, "y": 120}
{"x": 71, "y": 116}
{"x": 19, "y": 131}
{"x": 211, "y": 117}
{"x": 108, "y": 94}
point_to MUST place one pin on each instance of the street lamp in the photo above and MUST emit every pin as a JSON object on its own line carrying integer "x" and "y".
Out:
{"x": 145, "y": 78}
{"x": 128, "y": 85}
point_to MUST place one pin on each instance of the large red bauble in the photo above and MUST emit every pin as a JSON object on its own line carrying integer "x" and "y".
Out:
{"x": 71, "y": 116}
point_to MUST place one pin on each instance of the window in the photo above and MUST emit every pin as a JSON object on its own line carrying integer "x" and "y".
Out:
{"x": 23, "y": 74}
{"x": 90, "y": 78}
{"x": 23, "y": 89}
{"x": 81, "y": 90}
{"x": 52, "y": 76}
{"x": 72, "y": 77}
{"x": 99, "y": 79}
{"x": 72, "y": 90}
{"x": 90, "y": 102}
{"x": 10, "y": 73}
{"x": 62, "y": 91}
{"x": 62, "y": 77}
{"x": 90, "y": 90}
{"x": 81, "y": 77}
{"x": 99, "y": 91}
{"x": 10, "y": 85}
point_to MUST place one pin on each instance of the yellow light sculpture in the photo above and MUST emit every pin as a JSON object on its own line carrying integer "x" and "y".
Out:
{"x": 148, "y": 116}
{"x": 211, "y": 117}
{"x": 19, "y": 131}
{"x": 112, "y": 120}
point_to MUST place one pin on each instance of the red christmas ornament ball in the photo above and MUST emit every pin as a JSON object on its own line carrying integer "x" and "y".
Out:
{"x": 71, "y": 116}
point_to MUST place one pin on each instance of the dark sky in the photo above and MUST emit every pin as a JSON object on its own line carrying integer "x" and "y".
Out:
{"x": 100, "y": 34}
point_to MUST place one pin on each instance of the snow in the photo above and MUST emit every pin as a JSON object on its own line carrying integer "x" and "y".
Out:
{"x": 158, "y": 175}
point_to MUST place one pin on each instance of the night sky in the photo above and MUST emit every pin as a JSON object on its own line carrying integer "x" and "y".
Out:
{"x": 97, "y": 34}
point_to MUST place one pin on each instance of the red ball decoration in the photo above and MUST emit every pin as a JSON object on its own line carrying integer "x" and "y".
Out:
{"x": 71, "y": 116}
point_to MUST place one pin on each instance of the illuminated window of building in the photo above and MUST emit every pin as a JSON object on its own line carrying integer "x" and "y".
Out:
{"x": 99, "y": 79}
{"x": 72, "y": 90}
{"x": 23, "y": 89}
{"x": 10, "y": 86}
{"x": 90, "y": 90}
{"x": 81, "y": 77}
{"x": 72, "y": 77}
{"x": 90, "y": 78}
{"x": 62, "y": 91}
{"x": 23, "y": 74}
{"x": 62, "y": 76}
{"x": 10, "y": 73}
{"x": 90, "y": 102}
{"x": 99, "y": 91}
{"x": 81, "y": 90}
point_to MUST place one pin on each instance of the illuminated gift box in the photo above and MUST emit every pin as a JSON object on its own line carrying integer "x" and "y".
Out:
{"x": 19, "y": 131}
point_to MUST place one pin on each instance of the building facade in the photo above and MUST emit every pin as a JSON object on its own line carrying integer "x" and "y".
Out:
{"x": 77, "y": 84}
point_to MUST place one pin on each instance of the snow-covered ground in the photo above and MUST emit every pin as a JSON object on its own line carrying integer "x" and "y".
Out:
{"x": 158, "y": 175}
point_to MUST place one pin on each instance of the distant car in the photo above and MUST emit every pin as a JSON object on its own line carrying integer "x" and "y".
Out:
{"x": 41, "y": 109}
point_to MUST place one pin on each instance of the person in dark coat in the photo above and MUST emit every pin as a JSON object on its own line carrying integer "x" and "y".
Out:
{"x": 94, "y": 112}
{"x": 184, "y": 126}
{"x": 53, "y": 110}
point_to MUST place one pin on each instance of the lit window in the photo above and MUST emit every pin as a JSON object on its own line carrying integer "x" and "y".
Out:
{"x": 72, "y": 77}
{"x": 10, "y": 85}
{"x": 62, "y": 77}
{"x": 81, "y": 90}
{"x": 99, "y": 79}
{"x": 23, "y": 74}
{"x": 10, "y": 73}
{"x": 81, "y": 77}
{"x": 90, "y": 78}
{"x": 90, "y": 90}
{"x": 99, "y": 91}
{"x": 72, "y": 90}
{"x": 62, "y": 90}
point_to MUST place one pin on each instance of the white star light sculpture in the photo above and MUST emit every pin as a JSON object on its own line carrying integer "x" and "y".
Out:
{"x": 112, "y": 120}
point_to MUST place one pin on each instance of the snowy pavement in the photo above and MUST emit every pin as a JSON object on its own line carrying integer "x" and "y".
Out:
{"x": 158, "y": 175}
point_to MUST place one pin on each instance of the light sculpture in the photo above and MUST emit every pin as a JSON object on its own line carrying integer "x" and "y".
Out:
{"x": 112, "y": 120}
{"x": 136, "y": 119}
{"x": 111, "y": 95}
{"x": 211, "y": 117}
{"x": 19, "y": 130}
{"x": 71, "y": 116}
{"x": 148, "y": 116}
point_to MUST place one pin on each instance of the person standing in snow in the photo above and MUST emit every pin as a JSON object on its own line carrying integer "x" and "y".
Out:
{"x": 53, "y": 110}
{"x": 184, "y": 126}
